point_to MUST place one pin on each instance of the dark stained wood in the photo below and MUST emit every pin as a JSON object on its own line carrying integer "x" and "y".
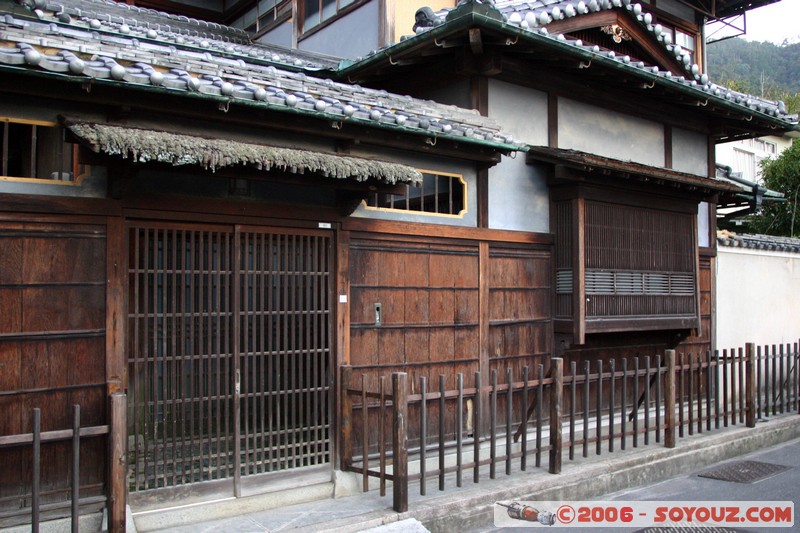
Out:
{"x": 552, "y": 120}
{"x": 750, "y": 385}
{"x": 400, "y": 442}
{"x": 118, "y": 464}
{"x": 556, "y": 408}
{"x": 667, "y": 146}
{"x": 669, "y": 400}
{"x": 578, "y": 270}
{"x": 411, "y": 229}
{"x": 484, "y": 342}
{"x": 116, "y": 371}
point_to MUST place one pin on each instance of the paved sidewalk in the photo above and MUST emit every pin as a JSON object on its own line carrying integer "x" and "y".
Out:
{"x": 471, "y": 507}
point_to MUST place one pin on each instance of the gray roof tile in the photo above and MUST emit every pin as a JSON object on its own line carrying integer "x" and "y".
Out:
{"x": 122, "y": 59}
{"x": 533, "y": 15}
{"x": 759, "y": 242}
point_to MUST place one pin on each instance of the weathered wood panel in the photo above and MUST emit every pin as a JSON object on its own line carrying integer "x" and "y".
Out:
{"x": 52, "y": 350}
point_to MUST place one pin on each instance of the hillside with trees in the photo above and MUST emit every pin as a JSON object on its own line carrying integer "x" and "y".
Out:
{"x": 759, "y": 68}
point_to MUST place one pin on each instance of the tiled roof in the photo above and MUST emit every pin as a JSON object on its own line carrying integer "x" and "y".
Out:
{"x": 531, "y": 17}
{"x": 759, "y": 242}
{"x": 79, "y": 51}
{"x": 106, "y": 16}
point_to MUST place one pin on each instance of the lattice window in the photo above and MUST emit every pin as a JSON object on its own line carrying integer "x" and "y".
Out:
{"x": 439, "y": 194}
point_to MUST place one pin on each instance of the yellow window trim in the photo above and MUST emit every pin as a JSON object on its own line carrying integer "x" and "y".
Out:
{"x": 460, "y": 214}
{"x": 78, "y": 179}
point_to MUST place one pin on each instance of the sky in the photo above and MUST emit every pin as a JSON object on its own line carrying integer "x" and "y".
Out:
{"x": 775, "y": 22}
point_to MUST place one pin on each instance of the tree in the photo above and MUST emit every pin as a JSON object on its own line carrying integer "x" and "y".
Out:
{"x": 782, "y": 175}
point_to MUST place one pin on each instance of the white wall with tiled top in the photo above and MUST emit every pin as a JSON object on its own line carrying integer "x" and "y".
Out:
{"x": 757, "y": 297}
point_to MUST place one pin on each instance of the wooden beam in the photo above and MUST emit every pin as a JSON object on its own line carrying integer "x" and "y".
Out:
{"x": 116, "y": 313}
{"x": 475, "y": 41}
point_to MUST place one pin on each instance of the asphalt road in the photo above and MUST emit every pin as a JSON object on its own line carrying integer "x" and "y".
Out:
{"x": 780, "y": 486}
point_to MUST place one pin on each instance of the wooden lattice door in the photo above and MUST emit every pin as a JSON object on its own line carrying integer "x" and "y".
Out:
{"x": 229, "y": 352}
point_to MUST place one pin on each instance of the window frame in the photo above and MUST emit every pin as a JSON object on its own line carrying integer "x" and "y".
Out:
{"x": 303, "y": 32}
{"x": 77, "y": 170}
{"x": 426, "y": 172}
{"x": 569, "y": 223}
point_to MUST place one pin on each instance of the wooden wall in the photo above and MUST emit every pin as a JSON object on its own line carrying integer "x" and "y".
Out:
{"x": 52, "y": 348}
{"x": 448, "y": 306}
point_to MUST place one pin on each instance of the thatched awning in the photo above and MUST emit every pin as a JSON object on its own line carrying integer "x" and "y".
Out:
{"x": 141, "y": 145}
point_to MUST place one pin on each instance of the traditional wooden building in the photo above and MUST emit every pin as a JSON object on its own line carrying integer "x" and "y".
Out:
{"x": 214, "y": 225}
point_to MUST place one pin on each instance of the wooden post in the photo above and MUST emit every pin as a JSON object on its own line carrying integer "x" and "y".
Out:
{"x": 669, "y": 400}
{"x": 400, "y": 441}
{"x": 556, "y": 403}
{"x": 37, "y": 469}
{"x": 76, "y": 466}
{"x": 117, "y": 485}
{"x": 347, "y": 418}
{"x": 750, "y": 385}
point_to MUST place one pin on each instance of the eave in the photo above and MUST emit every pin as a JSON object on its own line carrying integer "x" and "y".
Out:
{"x": 730, "y": 115}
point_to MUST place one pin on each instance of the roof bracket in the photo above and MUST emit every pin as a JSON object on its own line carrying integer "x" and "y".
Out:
{"x": 225, "y": 106}
{"x": 650, "y": 85}
{"x": 431, "y": 140}
{"x": 585, "y": 64}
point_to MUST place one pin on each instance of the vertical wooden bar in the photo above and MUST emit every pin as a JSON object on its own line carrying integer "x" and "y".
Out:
{"x": 586, "y": 373}
{"x": 364, "y": 435}
{"x": 699, "y": 395}
{"x": 484, "y": 318}
{"x": 612, "y": 404}
{"x": 598, "y": 445}
{"x": 476, "y": 429}
{"x": 400, "y": 441}
{"x": 750, "y": 393}
{"x": 681, "y": 396}
{"x": 647, "y": 400}
{"x": 442, "y": 412}
{"x": 658, "y": 398}
{"x": 117, "y": 464}
{"x": 669, "y": 400}
{"x": 759, "y": 381}
{"x": 556, "y": 406}
{"x": 781, "y": 390}
{"x": 346, "y": 417}
{"x": 726, "y": 367}
{"x": 573, "y": 366}
{"x": 524, "y": 421}
{"x": 735, "y": 391}
{"x": 690, "y": 409}
{"x": 766, "y": 381}
{"x": 636, "y": 401}
{"x": 37, "y": 469}
{"x": 509, "y": 421}
{"x": 493, "y": 427}
{"x": 382, "y": 433}
{"x": 539, "y": 403}
{"x": 709, "y": 389}
{"x": 716, "y": 389}
{"x": 76, "y": 466}
{"x": 624, "y": 405}
{"x": 740, "y": 392}
{"x": 237, "y": 318}
{"x": 459, "y": 426}
{"x": 796, "y": 376}
{"x": 423, "y": 433}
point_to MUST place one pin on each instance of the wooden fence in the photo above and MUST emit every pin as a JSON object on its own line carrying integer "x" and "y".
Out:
{"x": 35, "y": 439}
{"x": 473, "y": 428}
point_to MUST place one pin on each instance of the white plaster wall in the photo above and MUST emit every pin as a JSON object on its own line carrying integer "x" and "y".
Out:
{"x": 518, "y": 193}
{"x": 758, "y": 297}
{"x": 351, "y": 36}
{"x": 607, "y": 133}
{"x": 689, "y": 152}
